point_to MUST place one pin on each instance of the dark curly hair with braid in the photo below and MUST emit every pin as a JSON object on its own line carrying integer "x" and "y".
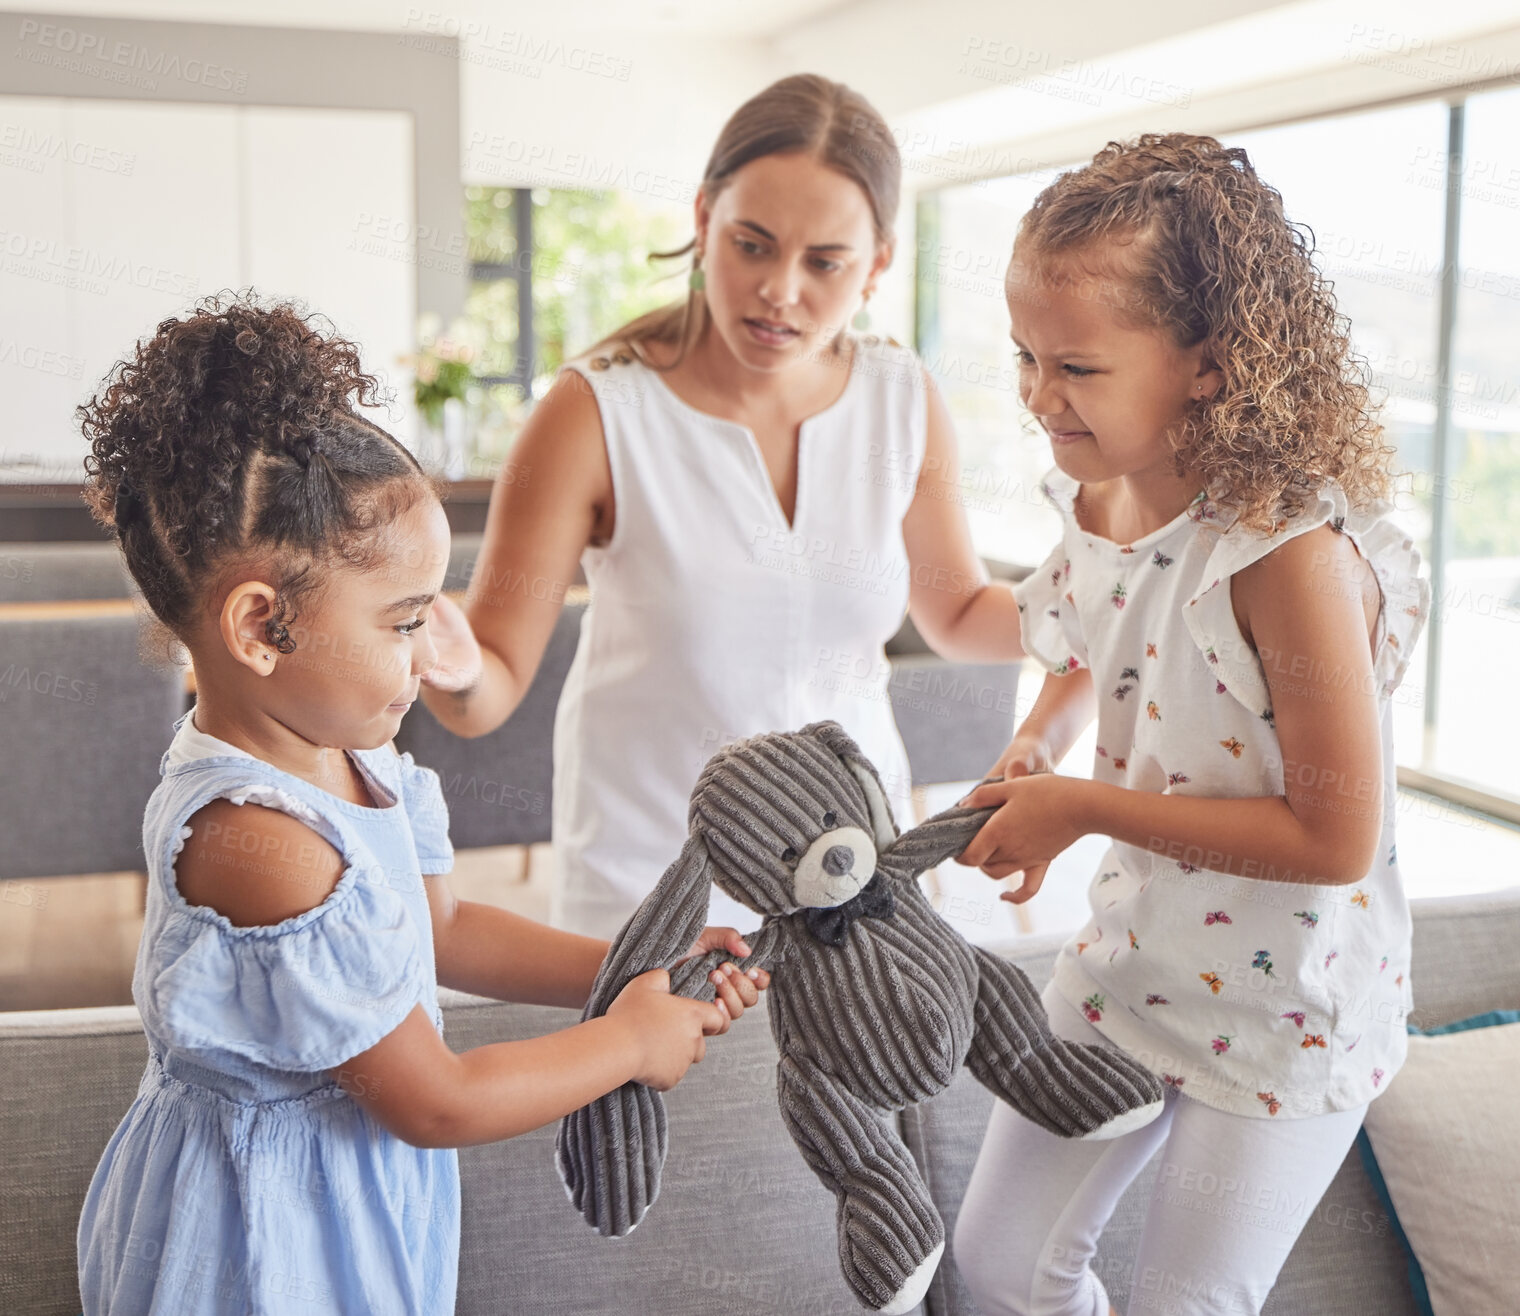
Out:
{"x": 232, "y": 436}
{"x": 1198, "y": 245}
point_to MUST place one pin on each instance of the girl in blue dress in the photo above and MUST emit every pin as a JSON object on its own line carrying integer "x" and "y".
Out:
{"x": 291, "y": 1145}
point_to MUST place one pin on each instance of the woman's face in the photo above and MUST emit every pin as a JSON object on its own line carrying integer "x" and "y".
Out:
{"x": 788, "y": 247}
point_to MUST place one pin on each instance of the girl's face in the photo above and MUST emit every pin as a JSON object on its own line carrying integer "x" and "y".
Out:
{"x": 787, "y": 247}
{"x": 1108, "y": 393}
{"x": 362, "y": 642}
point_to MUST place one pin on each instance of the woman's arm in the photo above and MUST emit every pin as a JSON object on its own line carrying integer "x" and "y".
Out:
{"x": 960, "y": 613}
{"x": 1307, "y": 609}
{"x": 551, "y": 499}
{"x": 1060, "y": 715}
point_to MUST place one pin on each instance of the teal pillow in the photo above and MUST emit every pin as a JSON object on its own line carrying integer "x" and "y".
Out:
{"x": 1488, "y": 1019}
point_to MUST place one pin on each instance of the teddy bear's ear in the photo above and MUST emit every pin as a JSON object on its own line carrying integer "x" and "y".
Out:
{"x": 883, "y": 828}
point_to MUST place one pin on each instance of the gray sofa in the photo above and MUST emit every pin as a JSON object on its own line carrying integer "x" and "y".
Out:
{"x": 85, "y": 717}
{"x": 741, "y": 1224}
{"x": 31, "y": 573}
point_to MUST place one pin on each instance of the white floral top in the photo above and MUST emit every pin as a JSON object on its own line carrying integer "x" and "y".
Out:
{"x": 1253, "y": 994}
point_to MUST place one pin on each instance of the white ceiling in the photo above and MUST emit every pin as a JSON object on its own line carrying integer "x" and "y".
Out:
{"x": 972, "y": 87}
{"x": 716, "y": 18}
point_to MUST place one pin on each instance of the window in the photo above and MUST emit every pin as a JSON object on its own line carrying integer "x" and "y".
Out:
{"x": 1379, "y": 231}
{"x": 965, "y": 236}
{"x": 1414, "y": 212}
{"x": 551, "y": 272}
{"x": 1476, "y": 632}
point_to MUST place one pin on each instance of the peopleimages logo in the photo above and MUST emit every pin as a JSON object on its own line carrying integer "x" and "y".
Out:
{"x": 82, "y": 51}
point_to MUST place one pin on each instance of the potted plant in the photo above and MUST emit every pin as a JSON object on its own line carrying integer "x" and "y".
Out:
{"x": 442, "y": 378}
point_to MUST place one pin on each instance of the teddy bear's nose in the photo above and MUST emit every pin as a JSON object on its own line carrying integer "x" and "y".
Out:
{"x": 838, "y": 860}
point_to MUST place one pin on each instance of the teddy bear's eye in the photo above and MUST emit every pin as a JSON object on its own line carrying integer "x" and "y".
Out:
{"x": 830, "y": 818}
{"x": 788, "y": 855}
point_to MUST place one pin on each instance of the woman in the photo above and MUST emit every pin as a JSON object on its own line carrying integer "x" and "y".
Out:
{"x": 741, "y": 481}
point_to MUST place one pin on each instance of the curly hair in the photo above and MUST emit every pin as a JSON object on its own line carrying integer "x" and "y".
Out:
{"x": 1203, "y": 250}
{"x": 232, "y": 431}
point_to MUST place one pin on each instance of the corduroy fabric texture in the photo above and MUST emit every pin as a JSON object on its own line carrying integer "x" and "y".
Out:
{"x": 790, "y": 824}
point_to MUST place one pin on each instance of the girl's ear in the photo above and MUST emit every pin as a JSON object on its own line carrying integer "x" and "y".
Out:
{"x": 245, "y": 613}
{"x": 1209, "y": 378}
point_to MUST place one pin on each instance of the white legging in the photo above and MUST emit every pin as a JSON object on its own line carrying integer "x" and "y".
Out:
{"x": 1231, "y": 1197}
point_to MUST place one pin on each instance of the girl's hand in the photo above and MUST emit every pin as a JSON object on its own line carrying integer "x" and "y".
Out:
{"x": 1035, "y": 821}
{"x": 459, "y": 664}
{"x": 670, "y": 1031}
{"x": 736, "y": 991}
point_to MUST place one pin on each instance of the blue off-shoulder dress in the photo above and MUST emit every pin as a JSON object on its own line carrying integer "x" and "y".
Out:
{"x": 242, "y": 1178}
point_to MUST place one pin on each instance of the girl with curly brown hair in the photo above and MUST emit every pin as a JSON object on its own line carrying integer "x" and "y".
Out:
{"x": 292, "y": 1140}
{"x": 1233, "y": 604}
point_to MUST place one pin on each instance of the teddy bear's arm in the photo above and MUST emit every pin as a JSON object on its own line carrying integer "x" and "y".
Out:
{"x": 1071, "y": 1088}
{"x": 660, "y": 930}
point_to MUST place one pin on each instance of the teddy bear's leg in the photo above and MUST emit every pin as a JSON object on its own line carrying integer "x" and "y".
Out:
{"x": 610, "y": 1155}
{"x": 1071, "y": 1088}
{"x": 890, "y": 1235}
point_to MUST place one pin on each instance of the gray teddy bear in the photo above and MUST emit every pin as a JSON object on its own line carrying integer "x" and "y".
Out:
{"x": 875, "y": 1002}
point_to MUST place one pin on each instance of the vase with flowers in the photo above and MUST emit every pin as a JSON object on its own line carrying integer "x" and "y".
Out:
{"x": 443, "y": 376}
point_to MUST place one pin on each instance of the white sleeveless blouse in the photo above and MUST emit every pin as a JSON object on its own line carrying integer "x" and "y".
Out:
{"x": 712, "y": 619}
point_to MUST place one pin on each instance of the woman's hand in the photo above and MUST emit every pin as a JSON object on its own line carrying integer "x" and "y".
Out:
{"x": 459, "y": 664}
{"x": 1024, "y": 757}
{"x": 1036, "y": 819}
{"x": 736, "y": 991}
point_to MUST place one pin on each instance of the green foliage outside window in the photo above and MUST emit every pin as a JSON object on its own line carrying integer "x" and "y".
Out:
{"x": 1486, "y": 495}
{"x": 590, "y": 270}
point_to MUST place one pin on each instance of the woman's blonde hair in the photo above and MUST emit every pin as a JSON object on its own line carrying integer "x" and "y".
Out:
{"x": 800, "y": 115}
{"x": 1201, "y": 248}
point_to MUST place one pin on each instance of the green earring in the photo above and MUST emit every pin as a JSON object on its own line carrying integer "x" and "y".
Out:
{"x": 697, "y": 280}
{"x": 862, "y": 320}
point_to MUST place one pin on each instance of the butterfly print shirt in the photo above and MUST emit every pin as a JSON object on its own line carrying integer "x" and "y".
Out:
{"x": 1254, "y": 994}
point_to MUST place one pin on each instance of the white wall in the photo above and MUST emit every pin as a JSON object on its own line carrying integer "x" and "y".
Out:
{"x": 114, "y": 215}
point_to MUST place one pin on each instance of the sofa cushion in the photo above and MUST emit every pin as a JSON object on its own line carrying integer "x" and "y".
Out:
{"x": 84, "y": 719}
{"x": 741, "y": 1223}
{"x": 39, "y": 572}
{"x": 69, "y": 1077}
{"x": 1444, "y": 1144}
